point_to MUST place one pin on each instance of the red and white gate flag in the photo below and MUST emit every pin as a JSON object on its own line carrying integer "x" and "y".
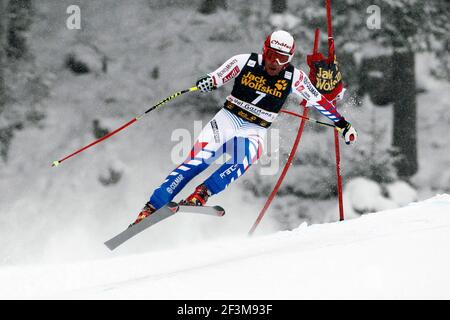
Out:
{"x": 325, "y": 75}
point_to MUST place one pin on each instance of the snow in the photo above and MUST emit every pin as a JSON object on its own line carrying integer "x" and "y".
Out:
{"x": 401, "y": 193}
{"x": 53, "y": 221}
{"x": 285, "y": 21}
{"x": 393, "y": 254}
{"x": 362, "y": 195}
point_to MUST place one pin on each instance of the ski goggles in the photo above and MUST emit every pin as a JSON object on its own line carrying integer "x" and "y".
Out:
{"x": 274, "y": 55}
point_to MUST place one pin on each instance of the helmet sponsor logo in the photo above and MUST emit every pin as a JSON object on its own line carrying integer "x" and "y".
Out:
{"x": 231, "y": 75}
{"x": 280, "y": 44}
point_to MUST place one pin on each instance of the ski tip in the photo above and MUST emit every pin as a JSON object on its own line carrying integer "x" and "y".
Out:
{"x": 109, "y": 246}
{"x": 220, "y": 211}
{"x": 55, "y": 163}
{"x": 173, "y": 206}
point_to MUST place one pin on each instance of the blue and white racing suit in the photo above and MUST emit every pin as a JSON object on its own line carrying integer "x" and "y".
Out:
{"x": 239, "y": 128}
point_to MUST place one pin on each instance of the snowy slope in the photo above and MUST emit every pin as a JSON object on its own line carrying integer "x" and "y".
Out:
{"x": 393, "y": 254}
{"x": 63, "y": 215}
{"x": 65, "y": 204}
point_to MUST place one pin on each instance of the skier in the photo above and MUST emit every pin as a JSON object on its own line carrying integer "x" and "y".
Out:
{"x": 262, "y": 82}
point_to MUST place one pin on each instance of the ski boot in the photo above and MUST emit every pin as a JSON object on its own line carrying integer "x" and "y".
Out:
{"x": 145, "y": 212}
{"x": 198, "y": 198}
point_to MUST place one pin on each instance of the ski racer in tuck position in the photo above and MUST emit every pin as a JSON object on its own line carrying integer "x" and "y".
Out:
{"x": 262, "y": 82}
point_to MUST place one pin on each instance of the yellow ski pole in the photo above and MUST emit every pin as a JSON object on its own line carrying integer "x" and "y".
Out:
{"x": 176, "y": 94}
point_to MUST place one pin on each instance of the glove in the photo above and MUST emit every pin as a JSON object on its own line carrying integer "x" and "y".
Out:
{"x": 348, "y": 132}
{"x": 205, "y": 84}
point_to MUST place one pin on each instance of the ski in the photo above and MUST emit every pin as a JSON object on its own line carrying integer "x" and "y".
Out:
{"x": 159, "y": 215}
{"x": 209, "y": 210}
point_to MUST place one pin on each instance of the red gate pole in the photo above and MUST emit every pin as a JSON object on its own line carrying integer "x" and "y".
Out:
{"x": 336, "y": 133}
{"x": 338, "y": 174}
{"x": 283, "y": 173}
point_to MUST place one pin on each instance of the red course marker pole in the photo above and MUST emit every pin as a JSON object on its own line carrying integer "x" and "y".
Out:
{"x": 336, "y": 133}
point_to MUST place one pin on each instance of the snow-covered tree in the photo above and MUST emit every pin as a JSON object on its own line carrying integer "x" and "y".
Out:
{"x": 19, "y": 22}
{"x": 2, "y": 72}
{"x": 279, "y": 6}
{"x": 211, "y": 6}
{"x": 404, "y": 28}
{"x": 2, "y": 56}
{"x": 22, "y": 84}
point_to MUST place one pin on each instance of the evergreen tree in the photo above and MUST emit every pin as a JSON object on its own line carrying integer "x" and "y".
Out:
{"x": 18, "y": 75}
{"x": 406, "y": 28}
{"x": 19, "y": 23}
{"x": 279, "y": 6}
{"x": 2, "y": 56}
{"x": 211, "y": 6}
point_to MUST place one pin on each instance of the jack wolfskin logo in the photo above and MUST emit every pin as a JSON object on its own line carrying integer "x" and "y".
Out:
{"x": 259, "y": 83}
{"x": 328, "y": 78}
{"x": 281, "y": 85}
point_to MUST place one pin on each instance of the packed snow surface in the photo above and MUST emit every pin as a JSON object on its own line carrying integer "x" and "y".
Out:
{"x": 401, "y": 253}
